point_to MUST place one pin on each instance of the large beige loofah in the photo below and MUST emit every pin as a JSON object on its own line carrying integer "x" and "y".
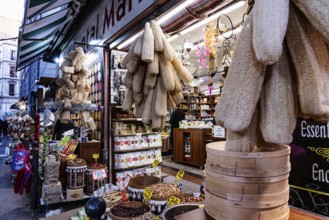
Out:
{"x": 317, "y": 13}
{"x": 277, "y": 104}
{"x": 310, "y": 79}
{"x": 270, "y": 19}
{"x": 242, "y": 86}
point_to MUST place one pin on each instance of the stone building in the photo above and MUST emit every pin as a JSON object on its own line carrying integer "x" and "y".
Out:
{"x": 9, "y": 78}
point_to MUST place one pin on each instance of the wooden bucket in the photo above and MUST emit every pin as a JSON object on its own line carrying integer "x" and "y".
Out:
{"x": 247, "y": 186}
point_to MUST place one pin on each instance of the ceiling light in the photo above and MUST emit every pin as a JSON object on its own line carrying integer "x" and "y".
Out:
{"x": 129, "y": 40}
{"x": 171, "y": 38}
{"x": 174, "y": 11}
{"x": 94, "y": 42}
{"x": 160, "y": 21}
{"x": 213, "y": 17}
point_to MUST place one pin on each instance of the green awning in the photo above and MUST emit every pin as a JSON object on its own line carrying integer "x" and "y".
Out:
{"x": 44, "y": 22}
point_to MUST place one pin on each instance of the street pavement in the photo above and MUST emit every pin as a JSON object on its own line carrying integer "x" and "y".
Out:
{"x": 12, "y": 206}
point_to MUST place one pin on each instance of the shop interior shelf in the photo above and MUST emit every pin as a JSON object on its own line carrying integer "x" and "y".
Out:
{"x": 125, "y": 135}
{"x": 135, "y": 167}
{"x": 127, "y": 119}
{"x": 136, "y": 149}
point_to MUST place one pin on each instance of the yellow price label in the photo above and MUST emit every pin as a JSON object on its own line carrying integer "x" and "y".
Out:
{"x": 173, "y": 201}
{"x": 158, "y": 218}
{"x": 95, "y": 156}
{"x": 155, "y": 163}
{"x": 147, "y": 194}
{"x": 180, "y": 174}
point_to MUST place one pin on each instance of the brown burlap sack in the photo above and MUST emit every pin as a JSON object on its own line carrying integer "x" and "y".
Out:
{"x": 270, "y": 19}
{"x": 242, "y": 86}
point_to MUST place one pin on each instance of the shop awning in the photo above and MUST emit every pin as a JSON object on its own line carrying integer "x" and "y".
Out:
{"x": 44, "y": 22}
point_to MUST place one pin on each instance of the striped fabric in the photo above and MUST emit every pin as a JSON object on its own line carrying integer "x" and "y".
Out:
{"x": 44, "y": 21}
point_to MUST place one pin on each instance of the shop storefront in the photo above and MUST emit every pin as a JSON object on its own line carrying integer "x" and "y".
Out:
{"x": 129, "y": 105}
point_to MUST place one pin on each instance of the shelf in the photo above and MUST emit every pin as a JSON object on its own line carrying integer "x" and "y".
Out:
{"x": 185, "y": 152}
{"x": 136, "y": 149}
{"x": 125, "y": 135}
{"x": 134, "y": 167}
{"x": 127, "y": 119}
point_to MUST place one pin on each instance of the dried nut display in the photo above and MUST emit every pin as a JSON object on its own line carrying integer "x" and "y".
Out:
{"x": 112, "y": 197}
{"x": 129, "y": 211}
{"x": 164, "y": 190}
{"x": 190, "y": 199}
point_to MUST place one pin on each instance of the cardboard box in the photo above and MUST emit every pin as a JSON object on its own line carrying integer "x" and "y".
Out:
{"x": 74, "y": 194}
{"x": 52, "y": 193}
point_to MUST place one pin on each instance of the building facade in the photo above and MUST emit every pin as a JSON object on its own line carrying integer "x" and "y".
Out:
{"x": 9, "y": 78}
{"x": 35, "y": 79}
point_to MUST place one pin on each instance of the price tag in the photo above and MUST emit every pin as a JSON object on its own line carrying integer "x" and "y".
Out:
{"x": 173, "y": 201}
{"x": 158, "y": 218}
{"x": 99, "y": 174}
{"x": 155, "y": 163}
{"x": 147, "y": 194}
{"x": 95, "y": 156}
{"x": 180, "y": 174}
{"x": 126, "y": 181}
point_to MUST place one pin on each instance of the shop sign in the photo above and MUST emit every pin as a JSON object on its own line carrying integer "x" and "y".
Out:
{"x": 219, "y": 131}
{"x": 109, "y": 18}
{"x": 99, "y": 174}
{"x": 126, "y": 181}
{"x": 309, "y": 176}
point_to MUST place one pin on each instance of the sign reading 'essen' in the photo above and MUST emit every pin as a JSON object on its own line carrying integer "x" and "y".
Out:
{"x": 309, "y": 176}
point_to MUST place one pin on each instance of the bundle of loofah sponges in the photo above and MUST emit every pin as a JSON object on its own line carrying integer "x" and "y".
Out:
{"x": 279, "y": 70}
{"x": 153, "y": 76}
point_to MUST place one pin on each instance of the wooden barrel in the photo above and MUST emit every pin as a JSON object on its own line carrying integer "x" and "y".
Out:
{"x": 248, "y": 186}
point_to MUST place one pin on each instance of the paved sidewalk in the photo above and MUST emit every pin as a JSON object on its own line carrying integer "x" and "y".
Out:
{"x": 13, "y": 206}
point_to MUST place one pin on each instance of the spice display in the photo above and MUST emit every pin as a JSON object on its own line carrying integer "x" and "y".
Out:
{"x": 112, "y": 197}
{"x": 126, "y": 210}
{"x": 164, "y": 190}
{"x": 153, "y": 67}
{"x": 190, "y": 199}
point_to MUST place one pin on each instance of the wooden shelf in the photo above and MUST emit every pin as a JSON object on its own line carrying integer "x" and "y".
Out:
{"x": 136, "y": 150}
{"x": 134, "y": 167}
{"x": 126, "y": 119}
{"x": 125, "y": 135}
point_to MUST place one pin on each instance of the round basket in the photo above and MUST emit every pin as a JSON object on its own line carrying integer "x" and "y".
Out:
{"x": 247, "y": 186}
{"x": 127, "y": 206}
{"x": 170, "y": 212}
{"x": 141, "y": 182}
{"x": 137, "y": 185}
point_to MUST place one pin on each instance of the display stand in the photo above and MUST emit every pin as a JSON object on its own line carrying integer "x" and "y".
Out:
{"x": 189, "y": 145}
{"x": 134, "y": 147}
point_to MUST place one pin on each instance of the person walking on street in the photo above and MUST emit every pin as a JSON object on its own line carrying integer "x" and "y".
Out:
{"x": 5, "y": 128}
{"x": 1, "y": 129}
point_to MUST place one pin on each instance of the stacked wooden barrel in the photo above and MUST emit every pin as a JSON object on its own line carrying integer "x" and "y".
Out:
{"x": 247, "y": 186}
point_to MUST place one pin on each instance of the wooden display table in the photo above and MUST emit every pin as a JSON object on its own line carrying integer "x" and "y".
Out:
{"x": 190, "y": 144}
{"x": 87, "y": 149}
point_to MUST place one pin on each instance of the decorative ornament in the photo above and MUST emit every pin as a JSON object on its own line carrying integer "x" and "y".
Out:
{"x": 95, "y": 208}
